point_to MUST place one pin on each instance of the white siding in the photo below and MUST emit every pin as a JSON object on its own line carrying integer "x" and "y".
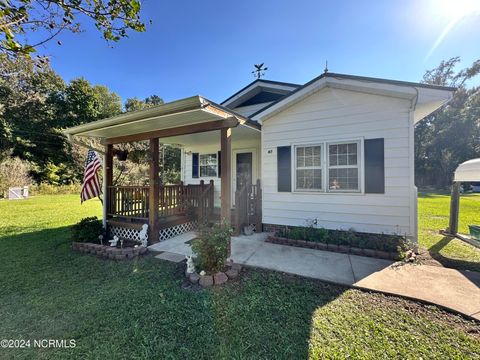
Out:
{"x": 330, "y": 115}
{"x": 246, "y": 144}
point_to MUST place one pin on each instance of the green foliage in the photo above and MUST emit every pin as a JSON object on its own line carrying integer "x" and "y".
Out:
{"x": 348, "y": 238}
{"x": 134, "y": 104}
{"x": 49, "y": 189}
{"x": 13, "y": 172}
{"x": 438, "y": 148}
{"x": 36, "y": 105}
{"x": 48, "y": 18}
{"x": 87, "y": 230}
{"x": 212, "y": 246}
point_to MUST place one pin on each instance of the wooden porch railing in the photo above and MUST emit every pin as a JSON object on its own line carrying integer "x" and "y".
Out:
{"x": 248, "y": 207}
{"x": 132, "y": 201}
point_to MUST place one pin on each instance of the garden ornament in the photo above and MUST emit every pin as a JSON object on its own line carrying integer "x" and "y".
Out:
{"x": 143, "y": 235}
{"x": 190, "y": 265}
{"x": 113, "y": 242}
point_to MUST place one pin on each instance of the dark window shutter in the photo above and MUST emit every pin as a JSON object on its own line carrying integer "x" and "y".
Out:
{"x": 219, "y": 162}
{"x": 194, "y": 165}
{"x": 374, "y": 166}
{"x": 284, "y": 168}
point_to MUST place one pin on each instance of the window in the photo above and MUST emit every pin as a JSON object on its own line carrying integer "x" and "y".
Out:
{"x": 343, "y": 166}
{"x": 208, "y": 165}
{"x": 308, "y": 167}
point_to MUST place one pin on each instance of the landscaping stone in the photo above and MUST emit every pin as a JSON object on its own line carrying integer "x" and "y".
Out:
{"x": 237, "y": 267}
{"x": 220, "y": 278}
{"x": 232, "y": 273}
{"x": 332, "y": 247}
{"x": 356, "y": 251}
{"x": 343, "y": 248}
{"x": 194, "y": 278}
{"x": 383, "y": 254}
{"x": 321, "y": 246}
{"x": 369, "y": 252}
{"x": 206, "y": 280}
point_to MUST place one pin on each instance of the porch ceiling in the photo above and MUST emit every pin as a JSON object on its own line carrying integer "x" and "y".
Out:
{"x": 187, "y": 112}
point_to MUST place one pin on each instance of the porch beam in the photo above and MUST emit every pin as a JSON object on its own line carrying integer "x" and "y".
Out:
{"x": 154, "y": 191}
{"x": 107, "y": 181}
{"x": 226, "y": 171}
{"x": 181, "y": 130}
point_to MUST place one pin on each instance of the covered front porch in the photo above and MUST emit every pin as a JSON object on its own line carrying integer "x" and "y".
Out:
{"x": 172, "y": 209}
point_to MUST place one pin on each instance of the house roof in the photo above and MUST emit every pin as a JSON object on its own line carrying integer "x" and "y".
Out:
{"x": 184, "y": 112}
{"x": 392, "y": 87}
{"x": 259, "y": 82}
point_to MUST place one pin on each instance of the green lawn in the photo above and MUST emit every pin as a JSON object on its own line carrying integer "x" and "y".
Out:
{"x": 138, "y": 310}
{"x": 433, "y": 215}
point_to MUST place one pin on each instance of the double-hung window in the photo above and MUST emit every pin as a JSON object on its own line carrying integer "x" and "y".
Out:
{"x": 308, "y": 168}
{"x": 344, "y": 166}
{"x": 328, "y": 167}
{"x": 208, "y": 165}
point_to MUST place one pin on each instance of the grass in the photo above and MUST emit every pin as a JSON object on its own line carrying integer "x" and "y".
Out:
{"x": 433, "y": 215}
{"x": 138, "y": 310}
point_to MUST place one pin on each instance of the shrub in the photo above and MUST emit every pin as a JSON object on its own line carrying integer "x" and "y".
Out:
{"x": 48, "y": 189}
{"x": 211, "y": 246}
{"x": 13, "y": 172}
{"x": 87, "y": 230}
{"x": 297, "y": 233}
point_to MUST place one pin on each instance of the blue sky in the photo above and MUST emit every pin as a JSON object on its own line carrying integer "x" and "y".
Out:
{"x": 209, "y": 47}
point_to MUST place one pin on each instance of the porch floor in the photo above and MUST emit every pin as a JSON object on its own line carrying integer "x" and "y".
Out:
{"x": 449, "y": 288}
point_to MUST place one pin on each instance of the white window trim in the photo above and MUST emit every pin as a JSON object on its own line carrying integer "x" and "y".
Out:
{"x": 321, "y": 167}
{"x": 358, "y": 166}
{"x": 325, "y": 184}
{"x": 200, "y": 166}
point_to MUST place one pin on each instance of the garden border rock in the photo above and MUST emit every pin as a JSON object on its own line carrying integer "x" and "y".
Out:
{"x": 219, "y": 278}
{"x": 109, "y": 252}
{"x": 334, "y": 248}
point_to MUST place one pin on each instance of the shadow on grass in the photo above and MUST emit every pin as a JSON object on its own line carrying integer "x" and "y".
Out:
{"x": 435, "y": 253}
{"x": 49, "y": 291}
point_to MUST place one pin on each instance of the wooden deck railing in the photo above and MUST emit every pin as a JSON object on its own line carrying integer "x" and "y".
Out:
{"x": 132, "y": 201}
{"x": 248, "y": 207}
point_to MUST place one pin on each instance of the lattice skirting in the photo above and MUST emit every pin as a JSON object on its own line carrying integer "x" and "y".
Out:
{"x": 170, "y": 232}
{"x": 124, "y": 233}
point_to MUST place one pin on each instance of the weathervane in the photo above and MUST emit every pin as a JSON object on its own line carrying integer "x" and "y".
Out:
{"x": 259, "y": 70}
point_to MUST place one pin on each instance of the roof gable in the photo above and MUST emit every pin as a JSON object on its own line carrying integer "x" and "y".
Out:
{"x": 259, "y": 91}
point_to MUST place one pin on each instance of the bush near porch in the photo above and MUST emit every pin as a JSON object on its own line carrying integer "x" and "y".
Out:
{"x": 138, "y": 310}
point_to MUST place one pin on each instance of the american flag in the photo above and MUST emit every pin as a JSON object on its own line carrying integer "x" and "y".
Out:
{"x": 91, "y": 186}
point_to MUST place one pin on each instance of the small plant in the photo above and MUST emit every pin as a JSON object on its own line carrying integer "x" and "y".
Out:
{"x": 212, "y": 246}
{"x": 297, "y": 233}
{"x": 87, "y": 230}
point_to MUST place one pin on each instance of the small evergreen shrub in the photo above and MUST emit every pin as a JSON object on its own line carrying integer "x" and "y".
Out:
{"x": 87, "y": 230}
{"x": 211, "y": 247}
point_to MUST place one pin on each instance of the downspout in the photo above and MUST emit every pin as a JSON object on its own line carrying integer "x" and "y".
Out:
{"x": 414, "y": 193}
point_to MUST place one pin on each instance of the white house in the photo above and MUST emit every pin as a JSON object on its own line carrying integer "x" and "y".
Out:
{"x": 337, "y": 151}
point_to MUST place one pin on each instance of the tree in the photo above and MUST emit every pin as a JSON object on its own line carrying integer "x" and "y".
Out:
{"x": 108, "y": 103}
{"x": 450, "y": 135}
{"x": 134, "y": 104}
{"x": 48, "y": 18}
{"x": 13, "y": 172}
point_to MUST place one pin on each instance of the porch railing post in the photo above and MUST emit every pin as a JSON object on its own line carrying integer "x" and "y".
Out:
{"x": 454, "y": 207}
{"x": 154, "y": 191}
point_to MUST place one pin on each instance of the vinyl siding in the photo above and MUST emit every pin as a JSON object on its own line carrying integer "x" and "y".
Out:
{"x": 331, "y": 115}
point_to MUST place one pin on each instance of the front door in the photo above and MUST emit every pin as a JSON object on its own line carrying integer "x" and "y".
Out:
{"x": 244, "y": 170}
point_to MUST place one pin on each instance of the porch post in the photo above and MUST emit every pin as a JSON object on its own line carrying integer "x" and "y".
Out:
{"x": 454, "y": 208}
{"x": 226, "y": 156}
{"x": 107, "y": 181}
{"x": 154, "y": 191}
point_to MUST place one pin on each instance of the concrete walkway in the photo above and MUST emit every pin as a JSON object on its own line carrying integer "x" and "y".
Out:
{"x": 453, "y": 289}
